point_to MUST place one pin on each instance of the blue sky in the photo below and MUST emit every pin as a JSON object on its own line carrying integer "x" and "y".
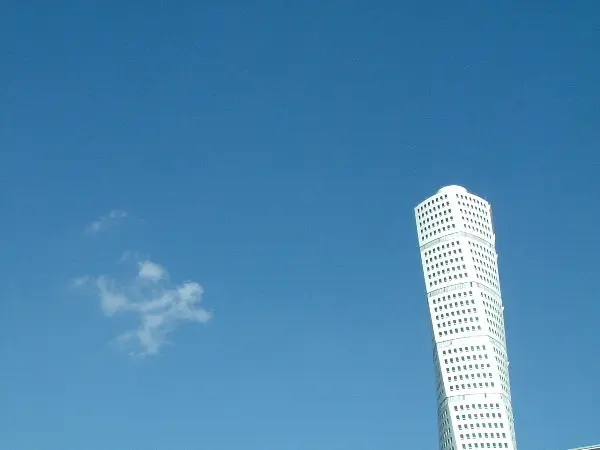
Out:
{"x": 271, "y": 154}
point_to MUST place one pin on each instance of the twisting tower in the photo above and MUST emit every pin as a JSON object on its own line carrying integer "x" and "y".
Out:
{"x": 460, "y": 267}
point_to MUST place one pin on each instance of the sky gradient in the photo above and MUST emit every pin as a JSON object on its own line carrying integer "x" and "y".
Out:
{"x": 252, "y": 168}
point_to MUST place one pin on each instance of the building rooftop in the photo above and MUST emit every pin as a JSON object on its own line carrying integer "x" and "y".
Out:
{"x": 452, "y": 188}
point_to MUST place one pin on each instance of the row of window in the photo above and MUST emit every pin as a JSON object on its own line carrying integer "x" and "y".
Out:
{"x": 486, "y": 276}
{"x": 448, "y": 265}
{"x": 496, "y": 329}
{"x": 439, "y": 231}
{"x": 482, "y": 248}
{"x": 453, "y": 256}
{"x": 488, "y": 280}
{"x": 456, "y": 295}
{"x": 459, "y": 368}
{"x": 462, "y": 387}
{"x": 443, "y": 247}
{"x": 458, "y": 312}
{"x": 499, "y": 352}
{"x": 492, "y": 312}
{"x": 495, "y": 312}
{"x": 469, "y": 220}
{"x": 478, "y": 213}
{"x": 437, "y": 219}
{"x": 472, "y": 426}
{"x": 446, "y": 272}
{"x": 459, "y": 321}
{"x": 453, "y": 331}
{"x": 432, "y": 227}
{"x": 447, "y": 445}
{"x": 494, "y": 315}
{"x": 479, "y": 218}
{"x": 492, "y": 300}
{"x": 431, "y": 220}
{"x": 465, "y": 358}
{"x": 433, "y": 202}
{"x": 445, "y": 262}
{"x": 464, "y": 349}
{"x": 468, "y": 417}
{"x": 439, "y": 226}
{"x": 483, "y": 436}
{"x": 471, "y": 376}
{"x": 477, "y": 229}
{"x": 482, "y": 262}
{"x": 483, "y": 445}
{"x": 448, "y": 277}
{"x": 471, "y": 367}
{"x": 471, "y": 199}
{"x": 479, "y": 406}
{"x": 488, "y": 255}
{"x": 455, "y": 304}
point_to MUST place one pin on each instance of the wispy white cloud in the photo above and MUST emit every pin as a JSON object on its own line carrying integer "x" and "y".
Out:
{"x": 129, "y": 255}
{"x": 80, "y": 281}
{"x": 151, "y": 271}
{"x": 159, "y": 308}
{"x": 103, "y": 223}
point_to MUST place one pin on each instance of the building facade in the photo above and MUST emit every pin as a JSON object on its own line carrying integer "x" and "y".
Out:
{"x": 458, "y": 254}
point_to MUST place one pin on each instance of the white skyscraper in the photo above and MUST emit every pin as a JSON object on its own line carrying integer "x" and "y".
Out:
{"x": 457, "y": 242}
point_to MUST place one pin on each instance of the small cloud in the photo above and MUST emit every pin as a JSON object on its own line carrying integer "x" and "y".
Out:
{"x": 128, "y": 255}
{"x": 111, "y": 300}
{"x": 159, "y": 308}
{"x": 79, "y": 281}
{"x": 151, "y": 271}
{"x": 103, "y": 223}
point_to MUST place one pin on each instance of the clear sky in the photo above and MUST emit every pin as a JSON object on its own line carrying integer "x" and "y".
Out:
{"x": 271, "y": 154}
